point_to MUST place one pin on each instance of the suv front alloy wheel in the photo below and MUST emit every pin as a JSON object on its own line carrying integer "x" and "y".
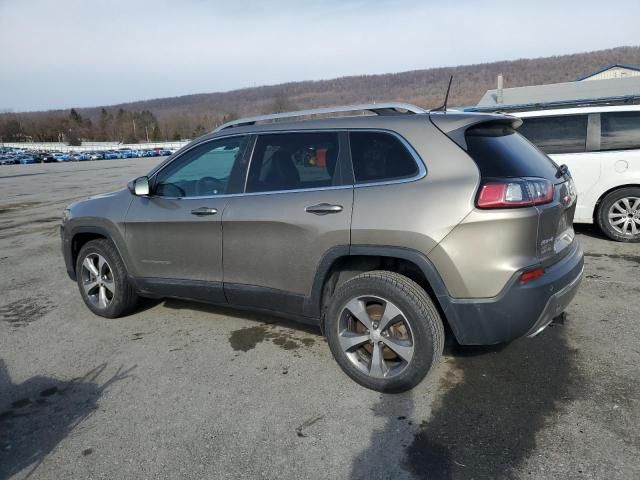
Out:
{"x": 103, "y": 281}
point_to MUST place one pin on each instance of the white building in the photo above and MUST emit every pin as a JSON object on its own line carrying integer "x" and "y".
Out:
{"x": 617, "y": 70}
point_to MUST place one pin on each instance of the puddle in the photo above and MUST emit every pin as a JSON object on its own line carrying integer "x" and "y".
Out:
{"x": 246, "y": 339}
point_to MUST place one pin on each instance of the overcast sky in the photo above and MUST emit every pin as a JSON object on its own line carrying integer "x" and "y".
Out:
{"x": 64, "y": 53}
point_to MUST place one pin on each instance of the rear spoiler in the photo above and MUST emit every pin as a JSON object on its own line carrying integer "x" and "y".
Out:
{"x": 455, "y": 125}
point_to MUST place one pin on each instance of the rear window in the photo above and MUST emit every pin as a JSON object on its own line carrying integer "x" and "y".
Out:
{"x": 500, "y": 151}
{"x": 620, "y": 130}
{"x": 561, "y": 134}
{"x": 379, "y": 156}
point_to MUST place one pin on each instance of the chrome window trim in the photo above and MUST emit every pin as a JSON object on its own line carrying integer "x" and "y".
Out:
{"x": 251, "y": 194}
{"x": 422, "y": 170}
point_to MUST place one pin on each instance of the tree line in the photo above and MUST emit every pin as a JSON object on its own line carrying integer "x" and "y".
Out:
{"x": 190, "y": 116}
{"x": 72, "y": 127}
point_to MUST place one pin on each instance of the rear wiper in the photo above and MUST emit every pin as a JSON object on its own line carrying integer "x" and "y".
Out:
{"x": 563, "y": 170}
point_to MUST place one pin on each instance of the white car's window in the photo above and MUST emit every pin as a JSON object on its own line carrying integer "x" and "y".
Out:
{"x": 620, "y": 130}
{"x": 561, "y": 134}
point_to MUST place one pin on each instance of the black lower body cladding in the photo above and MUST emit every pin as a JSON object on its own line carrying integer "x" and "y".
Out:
{"x": 521, "y": 309}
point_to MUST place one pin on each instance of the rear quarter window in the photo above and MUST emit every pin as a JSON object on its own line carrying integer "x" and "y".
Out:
{"x": 379, "y": 156}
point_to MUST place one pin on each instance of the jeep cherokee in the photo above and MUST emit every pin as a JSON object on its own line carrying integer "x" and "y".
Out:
{"x": 381, "y": 229}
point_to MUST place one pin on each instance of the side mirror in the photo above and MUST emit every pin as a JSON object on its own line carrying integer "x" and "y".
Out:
{"x": 139, "y": 186}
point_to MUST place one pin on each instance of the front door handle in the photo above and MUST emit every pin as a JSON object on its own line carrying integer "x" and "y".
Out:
{"x": 323, "y": 209}
{"x": 202, "y": 211}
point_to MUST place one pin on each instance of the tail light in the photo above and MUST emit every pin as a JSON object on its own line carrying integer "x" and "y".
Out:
{"x": 514, "y": 193}
{"x": 532, "y": 275}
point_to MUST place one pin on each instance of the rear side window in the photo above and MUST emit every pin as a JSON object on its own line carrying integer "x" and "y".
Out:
{"x": 379, "y": 156}
{"x": 294, "y": 161}
{"x": 620, "y": 130}
{"x": 561, "y": 134}
{"x": 500, "y": 151}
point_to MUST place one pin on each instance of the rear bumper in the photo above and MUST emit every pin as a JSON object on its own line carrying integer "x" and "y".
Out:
{"x": 522, "y": 309}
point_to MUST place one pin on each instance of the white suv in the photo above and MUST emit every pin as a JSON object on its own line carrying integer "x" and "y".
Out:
{"x": 601, "y": 147}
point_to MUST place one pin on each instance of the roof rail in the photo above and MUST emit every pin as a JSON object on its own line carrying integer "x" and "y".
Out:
{"x": 389, "y": 108}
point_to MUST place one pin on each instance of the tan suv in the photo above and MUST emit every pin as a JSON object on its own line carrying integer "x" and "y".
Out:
{"x": 378, "y": 228}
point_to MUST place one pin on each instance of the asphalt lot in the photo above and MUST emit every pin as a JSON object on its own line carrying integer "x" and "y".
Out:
{"x": 182, "y": 390}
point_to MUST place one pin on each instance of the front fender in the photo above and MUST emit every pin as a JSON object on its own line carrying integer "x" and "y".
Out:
{"x": 101, "y": 216}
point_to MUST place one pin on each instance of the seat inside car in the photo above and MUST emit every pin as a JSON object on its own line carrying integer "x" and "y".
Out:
{"x": 282, "y": 174}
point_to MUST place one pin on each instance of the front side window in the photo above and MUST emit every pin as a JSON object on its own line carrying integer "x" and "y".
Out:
{"x": 379, "y": 156}
{"x": 620, "y": 130}
{"x": 561, "y": 134}
{"x": 293, "y": 161}
{"x": 204, "y": 171}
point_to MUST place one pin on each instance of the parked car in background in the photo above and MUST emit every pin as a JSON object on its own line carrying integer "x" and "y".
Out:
{"x": 44, "y": 157}
{"x": 78, "y": 156}
{"x": 164, "y": 152}
{"x": 111, "y": 155}
{"x": 7, "y": 160}
{"x": 61, "y": 157}
{"x": 601, "y": 147}
{"x": 379, "y": 229}
{"x": 96, "y": 155}
{"x": 125, "y": 153}
{"x": 25, "y": 159}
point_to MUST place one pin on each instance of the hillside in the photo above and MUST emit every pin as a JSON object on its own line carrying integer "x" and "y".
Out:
{"x": 186, "y": 116}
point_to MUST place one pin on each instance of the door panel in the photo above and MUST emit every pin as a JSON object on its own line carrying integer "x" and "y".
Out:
{"x": 270, "y": 241}
{"x": 167, "y": 241}
{"x": 298, "y": 206}
{"x": 174, "y": 235}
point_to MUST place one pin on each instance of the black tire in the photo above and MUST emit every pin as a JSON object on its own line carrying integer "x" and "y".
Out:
{"x": 424, "y": 322}
{"x": 607, "y": 203}
{"x": 124, "y": 298}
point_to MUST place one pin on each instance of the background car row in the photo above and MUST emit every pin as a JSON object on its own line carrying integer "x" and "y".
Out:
{"x": 13, "y": 156}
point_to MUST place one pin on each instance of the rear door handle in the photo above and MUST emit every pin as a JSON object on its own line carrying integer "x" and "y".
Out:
{"x": 202, "y": 211}
{"x": 323, "y": 209}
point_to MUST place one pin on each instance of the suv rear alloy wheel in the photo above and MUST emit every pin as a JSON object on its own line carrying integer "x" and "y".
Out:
{"x": 102, "y": 280}
{"x": 619, "y": 215}
{"x": 384, "y": 331}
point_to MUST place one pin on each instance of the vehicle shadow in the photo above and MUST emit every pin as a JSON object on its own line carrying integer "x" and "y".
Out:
{"x": 491, "y": 404}
{"x": 590, "y": 231}
{"x": 43, "y": 411}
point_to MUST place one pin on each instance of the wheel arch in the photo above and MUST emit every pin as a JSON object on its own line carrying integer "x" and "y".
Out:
{"x": 79, "y": 236}
{"x": 596, "y": 208}
{"x": 342, "y": 263}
